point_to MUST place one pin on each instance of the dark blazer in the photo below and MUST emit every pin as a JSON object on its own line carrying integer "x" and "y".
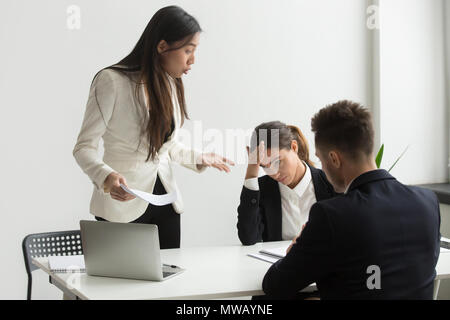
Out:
{"x": 259, "y": 212}
{"x": 378, "y": 222}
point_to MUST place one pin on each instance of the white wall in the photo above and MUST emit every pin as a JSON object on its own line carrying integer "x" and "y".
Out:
{"x": 258, "y": 60}
{"x": 269, "y": 60}
{"x": 413, "y": 109}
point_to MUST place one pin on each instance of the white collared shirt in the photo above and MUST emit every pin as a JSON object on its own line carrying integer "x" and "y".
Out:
{"x": 295, "y": 203}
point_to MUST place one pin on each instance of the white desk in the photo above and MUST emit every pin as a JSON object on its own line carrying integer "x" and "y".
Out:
{"x": 211, "y": 273}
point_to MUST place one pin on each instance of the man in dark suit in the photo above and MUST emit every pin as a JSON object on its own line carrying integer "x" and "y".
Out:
{"x": 379, "y": 240}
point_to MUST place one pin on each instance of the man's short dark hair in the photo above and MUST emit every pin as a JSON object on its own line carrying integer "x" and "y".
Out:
{"x": 346, "y": 126}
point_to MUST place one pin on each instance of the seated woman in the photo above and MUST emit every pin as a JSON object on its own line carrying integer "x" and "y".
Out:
{"x": 274, "y": 207}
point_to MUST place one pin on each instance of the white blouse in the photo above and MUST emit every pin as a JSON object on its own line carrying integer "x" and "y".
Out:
{"x": 117, "y": 117}
{"x": 295, "y": 203}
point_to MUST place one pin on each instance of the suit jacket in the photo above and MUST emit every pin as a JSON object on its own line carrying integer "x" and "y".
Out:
{"x": 380, "y": 223}
{"x": 259, "y": 212}
{"x": 114, "y": 114}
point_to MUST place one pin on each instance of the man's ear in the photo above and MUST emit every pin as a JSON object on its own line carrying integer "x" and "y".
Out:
{"x": 162, "y": 46}
{"x": 335, "y": 159}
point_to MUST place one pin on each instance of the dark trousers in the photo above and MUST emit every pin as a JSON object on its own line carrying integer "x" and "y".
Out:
{"x": 165, "y": 217}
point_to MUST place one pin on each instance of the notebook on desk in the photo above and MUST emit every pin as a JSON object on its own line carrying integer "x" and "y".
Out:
{"x": 270, "y": 255}
{"x": 275, "y": 252}
{"x": 445, "y": 244}
{"x": 65, "y": 264}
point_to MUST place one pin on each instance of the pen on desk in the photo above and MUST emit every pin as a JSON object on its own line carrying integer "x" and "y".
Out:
{"x": 170, "y": 265}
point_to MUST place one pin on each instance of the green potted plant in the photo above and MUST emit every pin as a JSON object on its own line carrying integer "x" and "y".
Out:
{"x": 379, "y": 157}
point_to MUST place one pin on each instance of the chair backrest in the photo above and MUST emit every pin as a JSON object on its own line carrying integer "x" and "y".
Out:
{"x": 59, "y": 243}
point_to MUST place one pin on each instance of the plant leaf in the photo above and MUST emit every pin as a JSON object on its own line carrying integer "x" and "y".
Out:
{"x": 379, "y": 156}
{"x": 398, "y": 158}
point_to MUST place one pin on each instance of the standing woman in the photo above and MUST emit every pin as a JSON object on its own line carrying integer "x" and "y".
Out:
{"x": 137, "y": 107}
{"x": 274, "y": 207}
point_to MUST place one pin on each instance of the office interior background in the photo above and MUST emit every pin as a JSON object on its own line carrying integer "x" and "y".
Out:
{"x": 258, "y": 60}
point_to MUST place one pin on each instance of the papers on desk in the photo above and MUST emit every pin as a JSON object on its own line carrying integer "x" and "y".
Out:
{"x": 264, "y": 257}
{"x": 157, "y": 200}
{"x": 445, "y": 244}
{"x": 270, "y": 255}
{"x": 276, "y": 252}
{"x": 64, "y": 264}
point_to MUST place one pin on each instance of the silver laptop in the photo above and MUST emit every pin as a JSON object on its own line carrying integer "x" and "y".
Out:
{"x": 124, "y": 250}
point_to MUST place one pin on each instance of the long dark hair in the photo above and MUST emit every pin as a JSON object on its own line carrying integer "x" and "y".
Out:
{"x": 286, "y": 133}
{"x": 171, "y": 24}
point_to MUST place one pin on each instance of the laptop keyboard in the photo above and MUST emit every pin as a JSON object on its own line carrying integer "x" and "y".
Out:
{"x": 166, "y": 274}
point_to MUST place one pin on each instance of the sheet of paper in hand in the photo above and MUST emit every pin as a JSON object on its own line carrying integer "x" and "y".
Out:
{"x": 157, "y": 200}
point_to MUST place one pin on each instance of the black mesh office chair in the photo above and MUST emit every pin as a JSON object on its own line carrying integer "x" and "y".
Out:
{"x": 60, "y": 243}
